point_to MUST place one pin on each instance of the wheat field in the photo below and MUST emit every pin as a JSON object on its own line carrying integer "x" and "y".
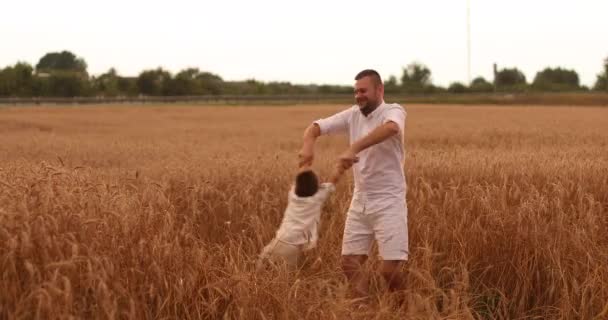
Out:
{"x": 158, "y": 212}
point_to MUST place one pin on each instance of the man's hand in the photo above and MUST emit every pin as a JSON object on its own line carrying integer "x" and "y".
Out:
{"x": 347, "y": 159}
{"x": 306, "y": 156}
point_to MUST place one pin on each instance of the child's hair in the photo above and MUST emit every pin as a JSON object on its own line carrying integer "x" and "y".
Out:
{"x": 307, "y": 184}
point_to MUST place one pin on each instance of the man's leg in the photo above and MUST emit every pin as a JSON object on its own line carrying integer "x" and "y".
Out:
{"x": 356, "y": 244}
{"x": 390, "y": 227}
{"x": 352, "y": 266}
{"x": 391, "y": 272}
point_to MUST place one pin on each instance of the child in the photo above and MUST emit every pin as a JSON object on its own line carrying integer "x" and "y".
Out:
{"x": 299, "y": 229}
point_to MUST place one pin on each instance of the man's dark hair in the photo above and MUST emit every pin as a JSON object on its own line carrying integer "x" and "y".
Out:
{"x": 370, "y": 73}
{"x": 306, "y": 184}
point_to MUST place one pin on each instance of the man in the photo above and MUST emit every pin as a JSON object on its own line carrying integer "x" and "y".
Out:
{"x": 378, "y": 208}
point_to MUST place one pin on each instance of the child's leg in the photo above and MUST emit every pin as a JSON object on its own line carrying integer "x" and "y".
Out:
{"x": 278, "y": 251}
{"x": 289, "y": 253}
{"x": 265, "y": 254}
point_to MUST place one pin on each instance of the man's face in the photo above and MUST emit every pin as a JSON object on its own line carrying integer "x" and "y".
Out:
{"x": 367, "y": 93}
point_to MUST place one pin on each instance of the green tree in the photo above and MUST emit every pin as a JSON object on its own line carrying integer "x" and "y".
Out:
{"x": 278, "y": 87}
{"x": 601, "y": 84}
{"x": 127, "y": 86}
{"x": 480, "y": 84}
{"x": 328, "y": 89}
{"x": 457, "y": 87}
{"x": 107, "y": 84}
{"x": 416, "y": 77}
{"x": 62, "y": 74}
{"x": 154, "y": 82}
{"x": 556, "y": 79}
{"x": 391, "y": 85}
{"x": 64, "y": 61}
{"x": 247, "y": 87}
{"x": 210, "y": 83}
{"x": 65, "y": 84}
{"x": 17, "y": 80}
{"x": 192, "y": 81}
{"x": 510, "y": 80}
{"x": 184, "y": 83}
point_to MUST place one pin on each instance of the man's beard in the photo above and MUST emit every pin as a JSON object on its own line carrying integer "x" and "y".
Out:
{"x": 368, "y": 107}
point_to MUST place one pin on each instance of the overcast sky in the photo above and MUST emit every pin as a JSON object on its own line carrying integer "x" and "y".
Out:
{"x": 310, "y": 41}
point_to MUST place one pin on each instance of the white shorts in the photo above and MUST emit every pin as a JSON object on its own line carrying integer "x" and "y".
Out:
{"x": 388, "y": 227}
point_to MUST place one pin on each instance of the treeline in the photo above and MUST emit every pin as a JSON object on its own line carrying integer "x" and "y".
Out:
{"x": 63, "y": 74}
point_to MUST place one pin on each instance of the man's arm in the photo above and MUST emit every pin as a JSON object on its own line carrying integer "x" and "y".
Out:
{"x": 378, "y": 135}
{"x": 306, "y": 154}
{"x": 337, "y": 123}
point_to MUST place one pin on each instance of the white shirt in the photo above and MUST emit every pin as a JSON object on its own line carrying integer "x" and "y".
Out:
{"x": 301, "y": 218}
{"x": 379, "y": 176}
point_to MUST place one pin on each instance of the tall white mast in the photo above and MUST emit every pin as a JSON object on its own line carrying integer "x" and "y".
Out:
{"x": 469, "y": 41}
